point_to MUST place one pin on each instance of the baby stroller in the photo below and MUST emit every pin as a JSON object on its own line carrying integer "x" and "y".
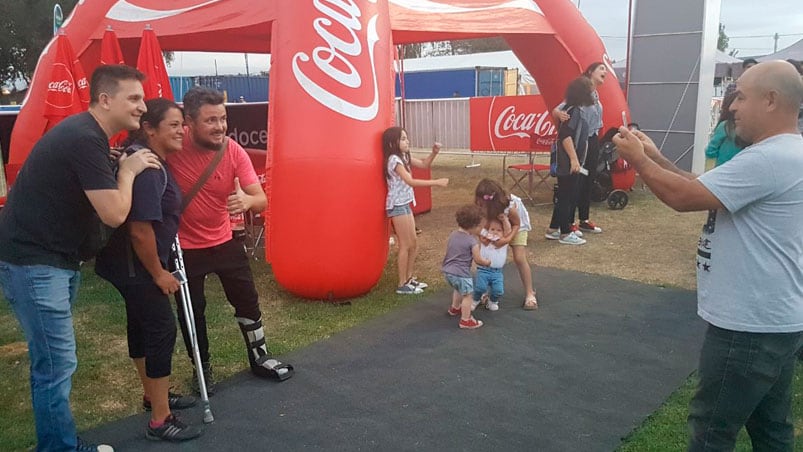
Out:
{"x": 614, "y": 176}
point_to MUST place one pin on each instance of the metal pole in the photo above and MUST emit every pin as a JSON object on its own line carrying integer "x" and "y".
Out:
{"x": 189, "y": 320}
{"x": 58, "y": 18}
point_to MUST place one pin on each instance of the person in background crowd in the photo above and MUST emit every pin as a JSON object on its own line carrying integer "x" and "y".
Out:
{"x": 747, "y": 63}
{"x": 65, "y": 186}
{"x": 572, "y": 153}
{"x": 592, "y": 115}
{"x": 397, "y": 159}
{"x": 724, "y": 143}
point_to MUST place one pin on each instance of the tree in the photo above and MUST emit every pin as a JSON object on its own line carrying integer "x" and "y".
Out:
{"x": 411, "y": 51}
{"x": 480, "y": 45}
{"x": 722, "y": 42}
{"x": 26, "y": 26}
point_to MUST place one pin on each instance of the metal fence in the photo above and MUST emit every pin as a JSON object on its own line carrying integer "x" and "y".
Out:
{"x": 429, "y": 120}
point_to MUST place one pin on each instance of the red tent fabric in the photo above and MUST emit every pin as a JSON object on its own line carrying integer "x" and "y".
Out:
{"x": 67, "y": 87}
{"x": 151, "y": 63}
{"x": 333, "y": 61}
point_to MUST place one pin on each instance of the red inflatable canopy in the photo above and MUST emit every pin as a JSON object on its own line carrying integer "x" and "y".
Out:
{"x": 331, "y": 97}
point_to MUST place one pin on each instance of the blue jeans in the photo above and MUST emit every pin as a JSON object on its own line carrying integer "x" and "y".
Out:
{"x": 489, "y": 278}
{"x": 745, "y": 380}
{"x": 41, "y": 298}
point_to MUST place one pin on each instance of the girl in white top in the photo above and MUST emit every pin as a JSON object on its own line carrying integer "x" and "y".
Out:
{"x": 496, "y": 201}
{"x": 396, "y": 152}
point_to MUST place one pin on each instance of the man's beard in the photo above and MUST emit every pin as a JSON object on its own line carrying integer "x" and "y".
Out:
{"x": 206, "y": 144}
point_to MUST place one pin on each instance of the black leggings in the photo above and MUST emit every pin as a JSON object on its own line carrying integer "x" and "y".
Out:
{"x": 584, "y": 193}
{"x": 230, "y": 263}
{"x": 563, "y": 210}
{"x": 151, "y": 327}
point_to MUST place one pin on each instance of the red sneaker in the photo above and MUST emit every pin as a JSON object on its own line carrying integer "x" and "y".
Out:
{"x": 470, "y": 324}
{"x": 576, "y": 231}
{"x": 454, "y": 311}
{"x": 589, "y": 226}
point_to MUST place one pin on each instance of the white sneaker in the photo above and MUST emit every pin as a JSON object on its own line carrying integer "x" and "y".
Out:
{"x": 554, "y": 235}
{"x": 492, "y": 306}
{"x": 572, "y": 239}
{"x": 474, "y": 304}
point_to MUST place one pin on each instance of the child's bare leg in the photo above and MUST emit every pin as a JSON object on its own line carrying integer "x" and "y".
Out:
{"x": 465, "y": 306}
{"x": 520, "y": 258}
{"x": 457, "y": 300}
{"x": 405, "y": 232}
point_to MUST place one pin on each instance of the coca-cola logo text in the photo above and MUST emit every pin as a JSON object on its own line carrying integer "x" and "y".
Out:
{"x": 339, "y": 28}
{"x": 62, "y": 86}
{"x": 510, "y": 124}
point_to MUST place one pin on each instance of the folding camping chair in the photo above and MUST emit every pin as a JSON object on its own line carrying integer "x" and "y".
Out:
{"x": 254, "y": 233}
{"x": 535, "y": 173}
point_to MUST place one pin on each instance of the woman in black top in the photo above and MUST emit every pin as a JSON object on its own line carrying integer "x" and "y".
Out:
{"x": 136, "y": 261}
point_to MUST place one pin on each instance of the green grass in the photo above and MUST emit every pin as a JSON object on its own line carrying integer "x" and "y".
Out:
{"x": 665, "y": 430}
{"x": 105, "y": 386}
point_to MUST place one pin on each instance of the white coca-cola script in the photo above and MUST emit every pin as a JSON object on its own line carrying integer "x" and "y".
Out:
{"x": 63, "y": 86}
{"x": 509, "y": 124}
{"x": 336, "y": 48}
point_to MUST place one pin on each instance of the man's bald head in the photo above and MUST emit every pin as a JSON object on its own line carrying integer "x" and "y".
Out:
{"x": 769, "y": 97}
{"x": 779, "y": 77}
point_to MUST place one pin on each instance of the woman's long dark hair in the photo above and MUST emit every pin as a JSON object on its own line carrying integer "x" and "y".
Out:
{"x": 493, "y": 197}
{"x": 592, "y": 67}
{"x": 390, "y": 146}
{"x": 157, "y": 109}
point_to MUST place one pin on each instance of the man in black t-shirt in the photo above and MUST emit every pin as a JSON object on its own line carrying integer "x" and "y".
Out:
{"x": 66, "y": 180}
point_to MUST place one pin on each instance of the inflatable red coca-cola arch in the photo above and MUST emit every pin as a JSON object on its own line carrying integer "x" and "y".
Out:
{"x": 331, "y": 96}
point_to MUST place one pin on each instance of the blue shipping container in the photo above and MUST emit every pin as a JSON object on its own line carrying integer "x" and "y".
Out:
{"x": 252, "y": 89}
{"x": 440, "y": 84}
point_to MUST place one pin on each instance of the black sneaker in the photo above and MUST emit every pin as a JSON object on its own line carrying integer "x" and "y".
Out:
{"x": 86, "y": 447}
{"x": 172, "y": 430}
{"x": 209, "y": 379}
{"x": 174, "y": 401}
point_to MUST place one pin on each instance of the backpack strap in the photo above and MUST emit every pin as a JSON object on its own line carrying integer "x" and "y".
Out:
{"x": 187, "y": 198}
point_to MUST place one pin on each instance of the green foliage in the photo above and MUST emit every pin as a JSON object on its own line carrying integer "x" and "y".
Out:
{"x": 26, "y": 26}
{"x": 722, "y": 41}
{"x": 478, "y": 45}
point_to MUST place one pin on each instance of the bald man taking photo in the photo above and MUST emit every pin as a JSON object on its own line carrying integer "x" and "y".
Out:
{"x": 749, "y": 262}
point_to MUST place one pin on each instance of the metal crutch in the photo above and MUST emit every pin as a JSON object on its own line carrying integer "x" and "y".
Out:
{"x": 189, "y": 319}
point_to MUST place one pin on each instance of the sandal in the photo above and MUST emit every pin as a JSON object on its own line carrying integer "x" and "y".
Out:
{"x": 530, "y": 303}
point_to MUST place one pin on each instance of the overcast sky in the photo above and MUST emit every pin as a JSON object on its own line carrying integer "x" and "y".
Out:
{"x": 742, "y": 18}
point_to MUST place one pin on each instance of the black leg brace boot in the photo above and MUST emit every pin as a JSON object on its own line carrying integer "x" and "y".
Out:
{"x": 262, "y": 362}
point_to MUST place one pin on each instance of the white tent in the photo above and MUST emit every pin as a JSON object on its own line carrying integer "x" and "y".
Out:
{"x": 793, "y": 52}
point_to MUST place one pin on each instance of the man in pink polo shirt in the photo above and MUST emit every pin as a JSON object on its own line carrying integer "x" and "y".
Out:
{"x": 205, "y": 230}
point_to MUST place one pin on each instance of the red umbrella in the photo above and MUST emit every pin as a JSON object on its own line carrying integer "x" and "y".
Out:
{"x": 67, "y": 88}
{"x": 151, "y": 63}
{"x": 110, "y": 52}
